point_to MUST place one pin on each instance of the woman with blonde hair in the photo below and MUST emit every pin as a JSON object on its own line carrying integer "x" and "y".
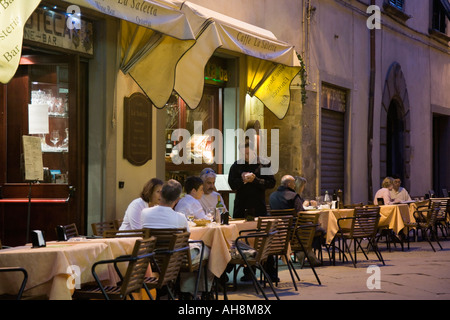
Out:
{"x": 385, "y": 192}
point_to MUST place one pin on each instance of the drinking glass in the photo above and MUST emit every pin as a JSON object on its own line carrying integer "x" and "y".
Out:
{"x": 54, "y": 137}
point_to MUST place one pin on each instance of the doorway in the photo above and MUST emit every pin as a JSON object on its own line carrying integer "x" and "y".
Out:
{"x": 395, "y": 155}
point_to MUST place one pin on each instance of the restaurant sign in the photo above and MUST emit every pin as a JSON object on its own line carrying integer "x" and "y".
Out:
{"x": 13, "y": 14}
{"x": 51, "y": 27}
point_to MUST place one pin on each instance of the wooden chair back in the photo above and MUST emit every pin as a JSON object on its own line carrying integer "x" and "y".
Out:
{"x": 99, "y": 227}
{"x": 280, "y": 241}
{"x": 305, "y": 230}
{"x": 118, "y": 223}
{"x": 137, "y": 268}
{"x": 71, "y": 230}
{"x": 163, "y": 239}
{"x": 142, "y": 233}
{"x": 365, "y": 222}
{"x": 171, "y": 259}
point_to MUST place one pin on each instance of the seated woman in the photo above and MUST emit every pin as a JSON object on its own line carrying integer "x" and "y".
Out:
{"x": 150, "y": 196}
{"x": 385, "y": 192}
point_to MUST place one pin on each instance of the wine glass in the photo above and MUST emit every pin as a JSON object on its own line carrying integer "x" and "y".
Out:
{"x": 54, "y": 137}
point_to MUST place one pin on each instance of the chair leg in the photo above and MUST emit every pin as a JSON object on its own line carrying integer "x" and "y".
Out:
{"x": 288, "y": 262}
{"x": 270, "y": 281}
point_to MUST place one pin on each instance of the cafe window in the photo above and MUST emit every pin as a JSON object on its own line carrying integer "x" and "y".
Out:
{"x": 44, "y": 113}
{"x": 334, "y": 102}
{"x": 204, "y": 152}
{"x": 399, "y": 4}
{"x": 439, "y": 21}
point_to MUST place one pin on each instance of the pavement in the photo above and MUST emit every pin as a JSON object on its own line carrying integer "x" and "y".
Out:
{"x": 415, "y": 274}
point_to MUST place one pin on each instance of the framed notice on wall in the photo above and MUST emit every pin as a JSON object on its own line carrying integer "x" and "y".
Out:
{"x": 137, "y": 136}
{"x": 32, "y": 156}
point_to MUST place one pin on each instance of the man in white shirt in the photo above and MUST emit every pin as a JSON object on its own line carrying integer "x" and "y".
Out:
{"x": 189, "y": 205}
{"x": 209, "y": 198}
{"x": 399, "y": 193}
{"x": 163, "y": 216}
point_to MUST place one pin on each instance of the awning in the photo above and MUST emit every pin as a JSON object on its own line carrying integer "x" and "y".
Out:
{"x": 158, "y": 15}
{"x": 13, "y": 16}
{"x": 272, "y": 64}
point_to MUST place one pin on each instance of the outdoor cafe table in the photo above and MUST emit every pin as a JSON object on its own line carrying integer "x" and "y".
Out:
{"x": 218, "y": 238}
{"x": 50, "y": 268}
{"x": 392, "y": 216}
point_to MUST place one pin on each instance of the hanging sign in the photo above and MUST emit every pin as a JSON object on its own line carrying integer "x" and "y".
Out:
{"x": 13, "y": 15}
{"x": 50, "y": 27}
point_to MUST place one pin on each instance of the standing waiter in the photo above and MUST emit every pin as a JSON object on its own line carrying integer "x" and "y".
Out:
{"x": 250, "y": 185}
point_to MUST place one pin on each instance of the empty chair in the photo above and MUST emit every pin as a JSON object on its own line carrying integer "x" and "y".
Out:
{"x": 133, "y": 280}
{"x": 364, "y": 225}
{"x": 99, "y": 227}
{"x": 66, "y": 232}
{"x": 118, "y": 223}
{"x": 425, "y": 221}
{"x": 262, "y": 240}
{"x": 71, "y": 230}
{"x": 24, "y": 281}
{"x": 443, "y": 215}
{"x": 280, "y": 242}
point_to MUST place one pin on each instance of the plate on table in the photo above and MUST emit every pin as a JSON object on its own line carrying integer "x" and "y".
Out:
{"x": 201, "y": 222}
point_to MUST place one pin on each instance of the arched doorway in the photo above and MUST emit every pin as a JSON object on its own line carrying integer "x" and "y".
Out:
{"x": 395, "y": 127}
{"x": 395, "y": 151}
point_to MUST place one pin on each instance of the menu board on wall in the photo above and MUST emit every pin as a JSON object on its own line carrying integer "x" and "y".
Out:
{"x": 32, "y": 156}
{"x": 137, "y": 136}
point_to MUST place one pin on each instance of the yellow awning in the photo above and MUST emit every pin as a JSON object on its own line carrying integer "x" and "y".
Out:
{"x": 158, "y": 15}
{"x": 272, "y": 64}
{"x": 13, "y": 16}
{"x": 161, "y": 64}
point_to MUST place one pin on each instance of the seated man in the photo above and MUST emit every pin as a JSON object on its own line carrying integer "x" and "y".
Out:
{"x": 163, "y": 216}
{"x": 209, "y": 198}
{"x": 399, "y": 193}
{"x": 189, "y": 205}
{"x": 285, "y": 197}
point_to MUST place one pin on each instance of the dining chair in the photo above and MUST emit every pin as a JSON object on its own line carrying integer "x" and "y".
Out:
{"x": 118, "y": 223}
{"x": 303, "y": 237}
{"x": 142, "y": 233}
{"x": 364, "y": 225}
{"x": 280, "y": 246}
{"x": 99, "y": 227}
{"x": 425, "y": 221}
{"x": 22, "y": 285}
{"x": 133, "y": 280}
{"x": 445, "y": 193}
{"x": 168, "y": 261}
{"x": 443, "y": 215}
{"x": 256, "y": 255}
{"x": 353, "y": 205}
{"x": 197, "y": 266}
{"x": 71, "y": 231}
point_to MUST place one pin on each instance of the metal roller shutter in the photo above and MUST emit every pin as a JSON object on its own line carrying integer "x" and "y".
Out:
{"x": 332, "y": 151}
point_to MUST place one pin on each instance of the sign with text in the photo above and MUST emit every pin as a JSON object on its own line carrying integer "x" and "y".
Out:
{"x": 32, "y": 154}
{"x": 137, "y": 136}
{"x": 53, "y": 28}
{"x": 164, "y": 18}
{"x": 13, "y": 14}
